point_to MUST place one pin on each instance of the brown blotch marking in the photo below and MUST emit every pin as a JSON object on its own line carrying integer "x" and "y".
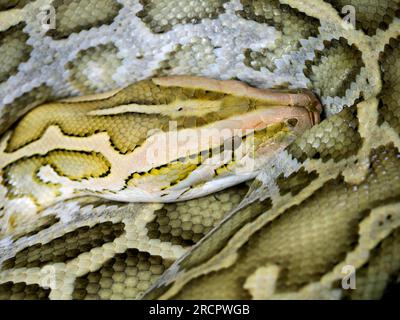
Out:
{"x": 341, "y": 70}
{"x": 66, "y": 247}
{"x": 389, "y": 110}
{"x": 125, "y": 276}
{"x": 13, "y": 50}
{"x": 65, "y": 163}
{"x": 20, "y": 106}
{"x": 11, "y": 4}
{"x": 22, "y": 291}
{"x": 92, "y": 14}
{"x": 293, "y": 24}
{"x": 104, "y": 55}
{"x": 157, "y": 26}
{"x": 296, "y": 181}
{"x": 185, "y": 223}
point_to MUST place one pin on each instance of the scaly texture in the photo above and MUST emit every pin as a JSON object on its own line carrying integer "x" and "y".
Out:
{"x": 327, "y": 203}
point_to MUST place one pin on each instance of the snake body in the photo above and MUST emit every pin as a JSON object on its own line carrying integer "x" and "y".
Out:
{"x": 319, "y": 209}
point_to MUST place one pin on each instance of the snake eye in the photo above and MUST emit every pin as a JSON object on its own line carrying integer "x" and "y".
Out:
{"x": 292, "y": 122}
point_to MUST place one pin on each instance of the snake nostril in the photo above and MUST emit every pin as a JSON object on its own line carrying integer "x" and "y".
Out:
{"x": 292, "y": 122}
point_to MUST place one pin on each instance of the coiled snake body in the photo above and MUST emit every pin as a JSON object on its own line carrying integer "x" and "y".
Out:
{"x": 84, "y": 213}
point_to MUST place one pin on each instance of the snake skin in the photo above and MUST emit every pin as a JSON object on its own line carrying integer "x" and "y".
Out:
{"x": 330, "y": 200}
